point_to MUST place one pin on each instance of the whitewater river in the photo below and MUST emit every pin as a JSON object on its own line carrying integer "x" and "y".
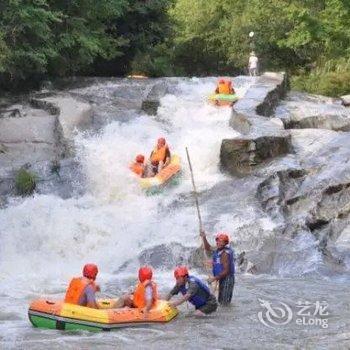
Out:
{"x": 45, "y": 240}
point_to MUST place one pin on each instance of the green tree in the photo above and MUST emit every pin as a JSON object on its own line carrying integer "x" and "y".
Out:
{"x": 27, "y": 35}
{"x": 85, "y": 33}
{"x": 55, "y": 37}
{"x": 144, "y": 27}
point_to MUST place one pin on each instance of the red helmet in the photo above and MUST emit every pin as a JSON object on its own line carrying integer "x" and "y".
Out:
{"x": 222, "y": 81}
{"x": 161, "y": 141}
{"x": 145, "y": 273}
{"x": 180, "y": 271}
{"x": 90, "y": 271}
{"x": 222, "y": 236}
{"x": 140, "y": 158}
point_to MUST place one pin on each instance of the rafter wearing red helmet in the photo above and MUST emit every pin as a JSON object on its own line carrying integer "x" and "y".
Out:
{"x": 81, "y": 290}
{"x": 138, "y": 166}
{"x": 193, "y": 290}
{"x": 159, "y": 158}
{"x": 225, "y": 87}
{"x": 223, "y": 265}
{"x": 145, "y": 295}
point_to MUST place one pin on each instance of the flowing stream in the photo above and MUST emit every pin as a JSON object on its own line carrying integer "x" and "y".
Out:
{"x": 45, "y": 240}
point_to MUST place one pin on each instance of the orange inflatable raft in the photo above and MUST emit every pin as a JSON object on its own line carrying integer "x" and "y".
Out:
{"x": 155, "y": 182}
{"x": 45, "y": 313}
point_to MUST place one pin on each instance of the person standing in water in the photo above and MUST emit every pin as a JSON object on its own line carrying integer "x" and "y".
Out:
{"x": 193, "y": 290}
{"x": 223, "y": 266}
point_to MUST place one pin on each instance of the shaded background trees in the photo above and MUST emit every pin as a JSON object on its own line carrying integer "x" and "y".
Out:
{"x": 53, "y": 38}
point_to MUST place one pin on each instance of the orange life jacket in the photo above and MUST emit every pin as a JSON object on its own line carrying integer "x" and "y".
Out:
{"x": 76, "y": 289}
{"x": 137, "y": 168}
{"x": 139, "y": 299}
{"x": 159, "y": 154}
{"x": 225, "y": 88}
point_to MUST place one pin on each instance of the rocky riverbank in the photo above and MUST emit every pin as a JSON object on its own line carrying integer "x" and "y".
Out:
{"x": 39, "y": 138}
{"x": 299, "y": 145}
{"x": 291, "y": 148}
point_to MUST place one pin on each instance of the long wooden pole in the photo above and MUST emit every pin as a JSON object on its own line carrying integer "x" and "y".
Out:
{"x": 213, "y": 287}
{"x": 195, "y": 193}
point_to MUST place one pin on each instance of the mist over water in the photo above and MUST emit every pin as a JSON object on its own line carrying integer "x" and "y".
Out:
{"x": 45, "y": 240}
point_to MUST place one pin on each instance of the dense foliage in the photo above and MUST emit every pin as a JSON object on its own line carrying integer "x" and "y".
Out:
{"x": 40, "y": 38}
{"x": 297, "y": 35}
{"x": 309, "y": 38}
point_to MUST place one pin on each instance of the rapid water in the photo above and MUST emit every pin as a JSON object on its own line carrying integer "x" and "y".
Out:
{"x": 45, "y": 240}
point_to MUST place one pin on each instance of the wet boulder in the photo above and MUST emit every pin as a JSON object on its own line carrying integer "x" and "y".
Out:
{"x": 152, "y": 102}
{"x": 346, "y": 100}
{"x": 42, "y": 135}
{"x": 241, "y": 155}
{"x": 302, "y": 111}
{"x": 72, "y": 115}
{"x": 264, "y": 137}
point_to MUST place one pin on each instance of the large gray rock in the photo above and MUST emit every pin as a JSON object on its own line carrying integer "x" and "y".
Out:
{"x": 27, "y": 139}
{"x": 151, "y": 103}
{"x": 28, "y": 129}
{"x": 260, "y": 100}
{"x": 346, "y": 100}
{"x": 314, "y": 197}
{"x": 72, "y": 114}
{"x": 264, "y": 137}
{"x": 239, "y": 156}
{"x": 302, "y": 111}
{"x": 40, "y": 138}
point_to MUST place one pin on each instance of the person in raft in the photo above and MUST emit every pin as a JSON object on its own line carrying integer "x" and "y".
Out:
{"x": 145, "y": 294}
{"x": 81, "y": 290}
{"x": 193, "y": 290}
{"x": 159, "y": 158}
{"x": 223, "y": 266}
{"x": 225, "y": 87}
{"x": 138, "y": 166}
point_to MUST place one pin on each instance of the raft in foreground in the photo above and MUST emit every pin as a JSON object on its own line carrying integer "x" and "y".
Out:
{"x": 44, "y": 313}
{"x": 223, "y": 99}
{"x": 156, "y": 182}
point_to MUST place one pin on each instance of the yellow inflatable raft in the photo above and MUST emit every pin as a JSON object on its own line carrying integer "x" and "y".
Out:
{"x": 137, "y": 76}
{"x": 45, "y": 313}
{"x": 163, "y": 176}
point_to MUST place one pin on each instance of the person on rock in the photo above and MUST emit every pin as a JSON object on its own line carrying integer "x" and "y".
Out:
{"x": 81, "y": 290}
{"x": 138, "y": 166}
{"x": 225, "y": 87}
{"x": 145, "y": 295}
{"x": 223, "y": 266}
{"x": 253, "y": 64}
{"x": 193, "y": 290}
{"x": 159, "y": 158}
